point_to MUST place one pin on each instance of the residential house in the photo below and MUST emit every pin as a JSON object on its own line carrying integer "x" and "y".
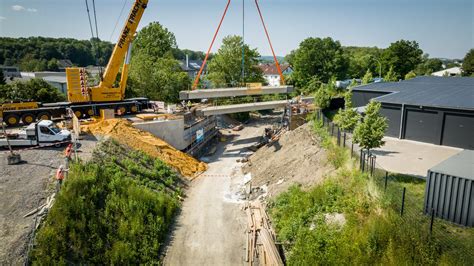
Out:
{"x": 271, "y": 75}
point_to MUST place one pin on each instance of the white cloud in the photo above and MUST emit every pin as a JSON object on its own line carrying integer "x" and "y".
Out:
{"x": 32, "y": 10}
{"x": 2, "y": 18}
{"x": 18, "y": 8}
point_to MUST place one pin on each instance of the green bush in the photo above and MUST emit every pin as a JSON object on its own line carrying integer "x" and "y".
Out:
{"x": 115, "y": 209}
{"x": 373, "y": 232}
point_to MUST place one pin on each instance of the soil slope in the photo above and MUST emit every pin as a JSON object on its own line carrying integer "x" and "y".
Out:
{"x": 125, "y": 133}
{"x": 297, "y": 158}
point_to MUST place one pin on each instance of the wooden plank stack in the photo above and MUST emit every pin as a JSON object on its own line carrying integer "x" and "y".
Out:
{"x": 261, "y": 248}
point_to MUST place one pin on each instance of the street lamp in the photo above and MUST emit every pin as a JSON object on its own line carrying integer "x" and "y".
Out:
{"x": 380, "y": 67}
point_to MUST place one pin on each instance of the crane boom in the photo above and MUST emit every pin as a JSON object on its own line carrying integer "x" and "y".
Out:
{"x": 78, "y": 92}
{"x": 124, "y": 41}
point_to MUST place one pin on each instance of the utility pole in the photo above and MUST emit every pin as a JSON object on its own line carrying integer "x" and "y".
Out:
{"x": 380, "y": 67}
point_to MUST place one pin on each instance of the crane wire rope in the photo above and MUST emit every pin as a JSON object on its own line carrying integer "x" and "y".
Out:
{"x": 97, "y": 40}
{"x": 118, "y": 19}
{"x": 96, "y": 45}
{"x": 198, "y": 76}
{"x": 282, "y": 78}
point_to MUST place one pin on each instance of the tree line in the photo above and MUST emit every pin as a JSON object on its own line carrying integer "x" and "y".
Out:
{"x": 43, "y": 54}
{"x": 156, "y": 73}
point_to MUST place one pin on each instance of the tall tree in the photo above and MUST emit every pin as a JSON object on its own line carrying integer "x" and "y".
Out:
{"x": 403, "y": 55}
{"x": 2, "y": 78}
{"x": 155, "y": 41}
{"x": 225, "y": 68}
{"x": 154, "y": 73}
{"x": 33, "y": 89}
{"x": 410, "y": 75}
{"x": 428, "y": 66}
{"x": 319, "y": 58}
{"x": 347, "y": 118}
{"x": 323, "y": 95}
{"x": 370, "y": 132}
{"x": 468, "y": 64}
{"x": 391, "y": 75}
{"x": 367, "y": 77}
{"x": 361, "y": 59}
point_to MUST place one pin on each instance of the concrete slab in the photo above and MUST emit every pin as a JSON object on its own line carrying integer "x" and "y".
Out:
{"x": 411, "y": 157}
{"x": 239, "y": 108}
{"x": 232, "y": 92}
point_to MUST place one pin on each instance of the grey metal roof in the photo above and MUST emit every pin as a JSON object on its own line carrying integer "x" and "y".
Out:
{"x": 460, "y": 165}
{"x": 446, "y": 92}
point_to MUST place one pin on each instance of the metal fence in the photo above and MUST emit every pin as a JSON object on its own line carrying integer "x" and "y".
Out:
{"x": 402, "y": 193}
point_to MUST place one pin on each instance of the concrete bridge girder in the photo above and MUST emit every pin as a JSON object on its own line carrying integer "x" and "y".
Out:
{"x": 233, "y": 92}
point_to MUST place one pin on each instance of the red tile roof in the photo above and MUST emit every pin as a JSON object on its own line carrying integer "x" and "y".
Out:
{"x": 271, "y": 69}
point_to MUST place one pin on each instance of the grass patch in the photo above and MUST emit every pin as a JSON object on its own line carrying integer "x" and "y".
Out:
{"x": 374, "y": 232}
{"x": 115, "y": 209}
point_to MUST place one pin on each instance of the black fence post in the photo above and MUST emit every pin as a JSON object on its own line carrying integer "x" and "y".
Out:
{"x": 338, "y": 137}
{"x": 352, "y": 149}
{"x": 386, "y": 180}
{"x": 374, "y": 158}
{"x": 360, "y": 160}
{"x": 403, "y": 201}
{"x": 432, "y": 220}
{"x": 332, "y": 129}
{"x": 345, "y": 140}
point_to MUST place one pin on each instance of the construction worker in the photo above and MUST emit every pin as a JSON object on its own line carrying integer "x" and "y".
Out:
{"x": 68, "y": 151}
{"x": 190, "y": 104}
{"x": 60, "y": 175}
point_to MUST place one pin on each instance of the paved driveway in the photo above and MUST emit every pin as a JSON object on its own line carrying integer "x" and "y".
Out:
{"x": 411, "y": 157}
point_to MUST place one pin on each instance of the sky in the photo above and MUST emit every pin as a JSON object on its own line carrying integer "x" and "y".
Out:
{"x": 443, "y": 28}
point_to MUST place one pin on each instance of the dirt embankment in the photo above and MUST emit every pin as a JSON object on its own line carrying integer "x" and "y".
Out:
{"x": 297, "y": 158}
{"x": 125, "y": 133}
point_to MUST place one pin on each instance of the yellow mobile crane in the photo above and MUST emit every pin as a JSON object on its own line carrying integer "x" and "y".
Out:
{"x": 83, "y": 100}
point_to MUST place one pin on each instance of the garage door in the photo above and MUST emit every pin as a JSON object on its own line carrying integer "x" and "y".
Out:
{"x": 459, "y": 131}
{"x": 422, "y": 126}
{"x": 393, "y": 120}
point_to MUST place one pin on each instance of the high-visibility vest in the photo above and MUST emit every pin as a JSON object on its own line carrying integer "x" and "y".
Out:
{"x": 60, "y": 174}
{"x": 68, "y": 151}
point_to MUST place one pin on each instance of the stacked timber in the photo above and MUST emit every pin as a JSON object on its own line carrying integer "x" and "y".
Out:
{"x": 261, "y": 248}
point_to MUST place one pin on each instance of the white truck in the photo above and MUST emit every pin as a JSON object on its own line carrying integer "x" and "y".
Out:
{"x": 41, "y": 133}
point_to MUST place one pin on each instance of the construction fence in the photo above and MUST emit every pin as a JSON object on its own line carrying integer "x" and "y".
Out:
{"x": 402, "y": 193}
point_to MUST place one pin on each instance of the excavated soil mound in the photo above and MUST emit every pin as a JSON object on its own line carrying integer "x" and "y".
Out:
{"x": 297, "y": 158}
{"x": 124, "y": 132}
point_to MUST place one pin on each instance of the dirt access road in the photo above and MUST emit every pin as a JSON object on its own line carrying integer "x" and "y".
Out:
{"x": 23, "y": 188}
{"x": 211, "y": 227}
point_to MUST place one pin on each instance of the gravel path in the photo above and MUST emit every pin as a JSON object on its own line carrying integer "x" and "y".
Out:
{"x": 23, "y": 188}
{"x": 211, "y": 227}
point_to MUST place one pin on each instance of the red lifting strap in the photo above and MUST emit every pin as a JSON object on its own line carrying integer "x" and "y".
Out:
{"x": 196, "y": 81}
{"x": 270, "y": 42}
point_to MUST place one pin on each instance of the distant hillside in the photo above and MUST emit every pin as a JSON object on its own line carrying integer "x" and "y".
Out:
{"x": 269, "y": 59}
{"x": 40, "y": 53}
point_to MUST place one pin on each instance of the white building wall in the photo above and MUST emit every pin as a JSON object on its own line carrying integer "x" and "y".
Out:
{"x": 273, "y": 80}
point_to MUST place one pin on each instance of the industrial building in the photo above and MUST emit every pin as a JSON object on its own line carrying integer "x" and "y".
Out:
{"x": 436, "y": 110}
{"x": 449, "y": 192}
